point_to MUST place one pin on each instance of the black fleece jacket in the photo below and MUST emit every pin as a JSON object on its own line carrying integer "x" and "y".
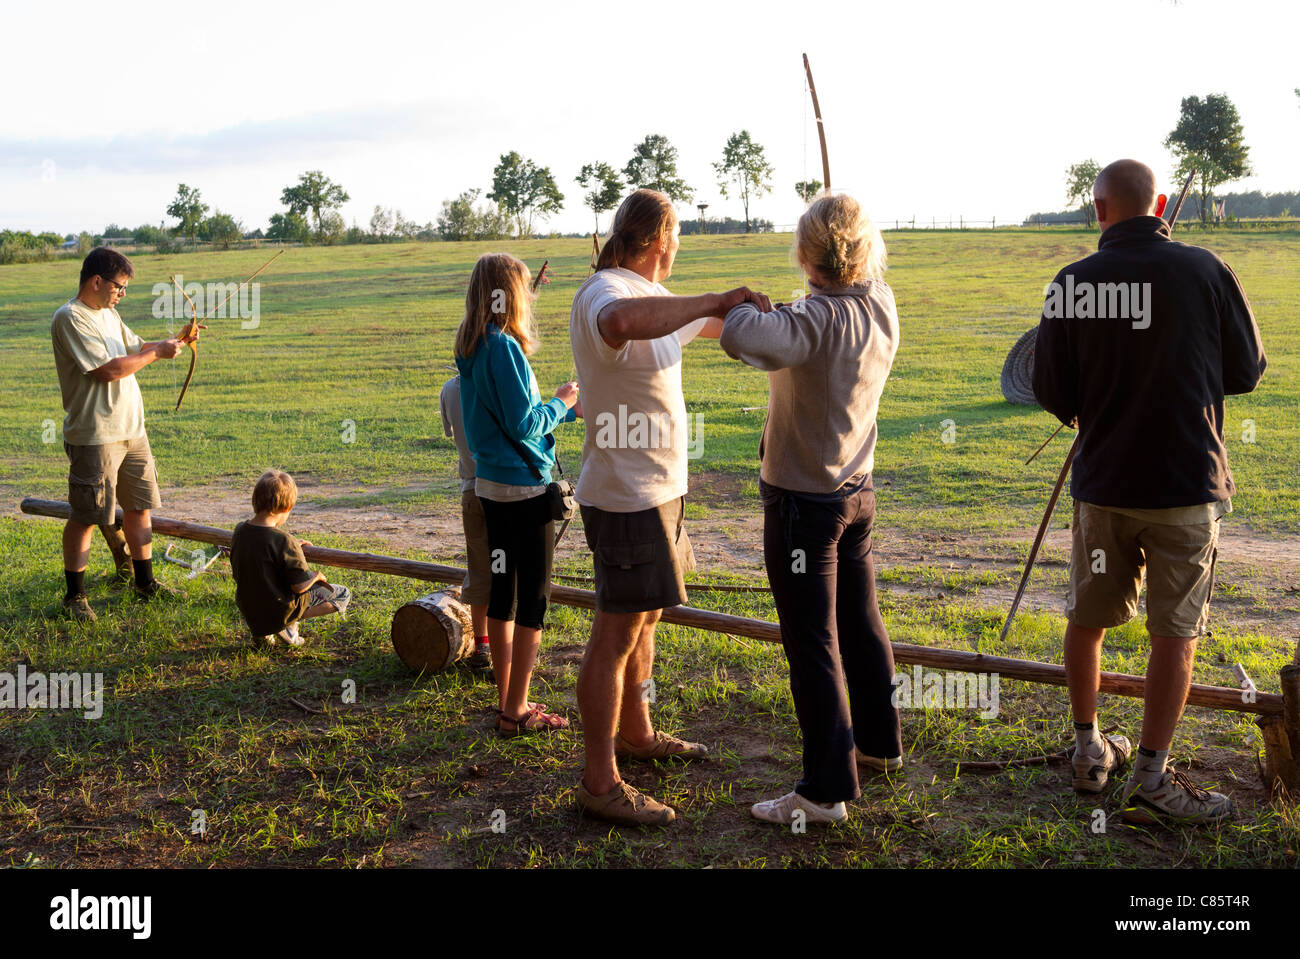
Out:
{"x": 1147, "y": 385}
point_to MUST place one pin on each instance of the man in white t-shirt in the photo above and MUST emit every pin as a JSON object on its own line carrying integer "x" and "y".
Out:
{"x": 627, "y": 333}
{"x": 109, "y": 458}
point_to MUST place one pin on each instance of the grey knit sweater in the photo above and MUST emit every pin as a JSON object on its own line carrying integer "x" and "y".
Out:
{"x": 827, "y": 359}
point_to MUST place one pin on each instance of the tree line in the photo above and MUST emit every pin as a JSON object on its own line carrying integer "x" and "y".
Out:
{"x": 1207, "y": 139}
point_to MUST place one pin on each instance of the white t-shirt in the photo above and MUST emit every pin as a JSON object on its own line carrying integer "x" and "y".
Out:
{"x": 634, "y": 454}
{"x": 98, "y": 413}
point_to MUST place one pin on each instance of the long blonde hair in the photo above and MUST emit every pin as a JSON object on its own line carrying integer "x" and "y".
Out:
{"x": 642, "y": 220}
{"x": 837, "y": 238}
{"x": 498, "y": 295}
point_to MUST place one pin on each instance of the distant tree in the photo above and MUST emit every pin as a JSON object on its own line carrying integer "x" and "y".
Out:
{"x": 1078, "y": 186}
{"x": 461, "y": 220}
{"x": 523, "y": 190}
{"x": 114, "y": 230}
{"x": 606, "y": 188}
{"x": 289, "y": 227}
{"x": 221, "y": 229}
{"x": 381, "y": 223}
{"x": 1208, "y": 139}
{"x": 147, "y": 234}
{"x": 407, "y": 229}
{"x": 808, "y": 189}
{"x": 189, "y": 208}
{"x": 654, "y": 167}
{"x": 332, "y": 228}
{"x": 314, "y": 192}
{"x": 743, "y": 167}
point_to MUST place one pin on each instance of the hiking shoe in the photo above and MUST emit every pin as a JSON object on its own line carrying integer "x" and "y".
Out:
{"x": 1176, "y": 800}
{"x": 662, "y": 747}
{"x": 625, "y": 805}
{"x": 480, "y": 659}
{"x": 783, "y": 810}
{"x": 879, "y": 765}
{"x": 155, "y": 589}
{"x": 78, "y": 607}
{"x": 1091, "y": 771}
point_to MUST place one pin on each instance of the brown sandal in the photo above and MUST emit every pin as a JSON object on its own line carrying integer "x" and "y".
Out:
{"x": 533, "y": 721}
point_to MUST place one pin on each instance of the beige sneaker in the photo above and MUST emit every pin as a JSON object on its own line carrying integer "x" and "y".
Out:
{"x": 1176, "y": 800}
{"x": 626, "y": 806}
{"x": 663, "y": 747}
{"x": 876, "y": 763}
{"x": 784, "y": 809}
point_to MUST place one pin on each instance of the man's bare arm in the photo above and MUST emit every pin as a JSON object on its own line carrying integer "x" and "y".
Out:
{"x": 712, "y": 330}
{"x": 650, "y": 317}
{"x": 124, "y": 366}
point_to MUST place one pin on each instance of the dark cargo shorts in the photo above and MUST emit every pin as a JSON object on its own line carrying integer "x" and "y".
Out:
{"x": 639, "y": 558}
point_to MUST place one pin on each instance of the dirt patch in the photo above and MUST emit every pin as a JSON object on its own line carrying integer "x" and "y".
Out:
{"x": 1258, "y": 576}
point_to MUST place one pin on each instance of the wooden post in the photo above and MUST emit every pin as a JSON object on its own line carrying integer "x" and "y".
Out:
{"x": 960, "y": 660}
{"x": 1281, "y": 735}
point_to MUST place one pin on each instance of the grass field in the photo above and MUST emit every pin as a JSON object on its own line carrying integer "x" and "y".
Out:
{"x": 287, "y": 773}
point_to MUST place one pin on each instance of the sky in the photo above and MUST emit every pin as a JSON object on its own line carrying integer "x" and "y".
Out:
{"x": 932, "y": 109}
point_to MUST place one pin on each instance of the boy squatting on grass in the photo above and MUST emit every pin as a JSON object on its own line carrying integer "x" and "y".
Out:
{"x": 274, "y": 588}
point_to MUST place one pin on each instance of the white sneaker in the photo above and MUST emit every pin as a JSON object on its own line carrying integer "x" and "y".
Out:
{"x": 290, "y": 635}
{"x": 880, "y": 765}
{"x": 782, "y": 810}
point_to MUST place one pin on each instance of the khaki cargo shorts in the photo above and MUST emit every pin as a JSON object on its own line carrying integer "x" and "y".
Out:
{"x": 101, "y": 477}
{"x": 1110, "y": 552}
{"x": 639, "y": 558}
{"x": 476, "y": 589}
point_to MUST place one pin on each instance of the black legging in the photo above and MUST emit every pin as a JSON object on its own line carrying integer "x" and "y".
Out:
{"x": 521, "y": 543}
{"x": 817, "y": 550}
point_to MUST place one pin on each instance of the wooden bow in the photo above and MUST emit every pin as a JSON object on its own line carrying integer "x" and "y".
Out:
{"x": 190, "y": 336}
{"x": 190, "y": 332}
{"x": 821, "y": 127}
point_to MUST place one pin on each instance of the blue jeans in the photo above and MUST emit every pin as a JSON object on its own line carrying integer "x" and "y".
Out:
{"x": 817, "y": 549}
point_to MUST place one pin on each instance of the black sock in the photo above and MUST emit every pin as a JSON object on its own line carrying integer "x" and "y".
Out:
{"x": 76, "y": 582}
{"x": 143, "y": 571}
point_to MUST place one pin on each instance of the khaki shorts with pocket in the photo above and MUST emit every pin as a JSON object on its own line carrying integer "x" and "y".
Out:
{"x": 1109, "y": 553}
{"x": 640, "y": 558}
{"x": 476, "y": 589}
{"x": 101, "y": 477}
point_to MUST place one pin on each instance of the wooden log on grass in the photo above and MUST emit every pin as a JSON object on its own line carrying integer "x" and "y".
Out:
{"x": 1213, "y": 697}
{"x": 433, "y": 632}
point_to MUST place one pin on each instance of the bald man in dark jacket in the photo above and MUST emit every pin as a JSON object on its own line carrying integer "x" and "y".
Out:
{"x": 1140, "y": 342}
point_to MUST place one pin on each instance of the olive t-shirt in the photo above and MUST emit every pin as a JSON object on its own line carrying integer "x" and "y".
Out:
{"x": 98, "y": 413}
{"x": 267, "y": 562}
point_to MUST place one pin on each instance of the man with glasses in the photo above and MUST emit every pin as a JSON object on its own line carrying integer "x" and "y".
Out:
{"x": 97, "y": 357}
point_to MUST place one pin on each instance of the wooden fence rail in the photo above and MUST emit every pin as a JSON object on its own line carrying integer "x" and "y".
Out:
{"x": 1120, "y": 684}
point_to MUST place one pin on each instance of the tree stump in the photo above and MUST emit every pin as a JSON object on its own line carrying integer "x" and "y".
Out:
{"x": 1281, "y": 735}
{"x": 433, "y": 632}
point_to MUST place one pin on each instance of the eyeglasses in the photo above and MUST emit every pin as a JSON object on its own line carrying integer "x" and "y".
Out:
{"x": 120, "y": 287}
